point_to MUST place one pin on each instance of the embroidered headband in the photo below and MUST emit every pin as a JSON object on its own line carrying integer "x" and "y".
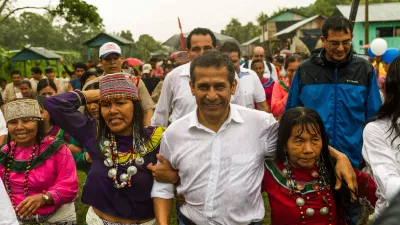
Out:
{"x": 117, "y": 85}
{"x": 22, "y": 108}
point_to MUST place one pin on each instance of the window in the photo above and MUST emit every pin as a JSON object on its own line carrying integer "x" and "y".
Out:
{"x": 384, "y": 32}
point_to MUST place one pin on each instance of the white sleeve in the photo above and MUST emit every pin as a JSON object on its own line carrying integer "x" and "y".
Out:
{"x": 3, "y": 126}
{"x": 161, "y": 114}
{"x": 259, "y": 93}
{"x": 238, "y": 97}
{"x": 270, "y": 135}
{"x": 382, "y": 159}
{"x": 7, "y": 213}
{"x": 163, "y": 190}
{"x": 274, "y": 73}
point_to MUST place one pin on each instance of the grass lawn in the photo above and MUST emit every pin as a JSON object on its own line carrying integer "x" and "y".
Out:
{"x": 82, "y": 208}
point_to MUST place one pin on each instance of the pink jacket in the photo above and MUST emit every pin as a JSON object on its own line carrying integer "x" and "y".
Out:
{"x": 56, "y": 174}
{"x": 279, "y": 97}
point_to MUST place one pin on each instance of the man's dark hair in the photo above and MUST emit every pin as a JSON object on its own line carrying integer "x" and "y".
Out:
{"x": 15, "y": 72}
{"x": 153, "y": 59}
{"x": 257, "y": 61}
{"x": 36, "y": 70}
{"x": 229, "y": 47}
{"x": 336, "y": 23}
{"x": 214, "y": 59}
{"x": 80, "y": 65}
{"x": 201, "y": 31}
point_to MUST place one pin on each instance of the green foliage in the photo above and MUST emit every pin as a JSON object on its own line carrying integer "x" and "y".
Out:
{"x": 77, "y": 11}
{"x": 144, "y": 46}
{"x": 241, "y": 33}
{"x": 126, "y": 34}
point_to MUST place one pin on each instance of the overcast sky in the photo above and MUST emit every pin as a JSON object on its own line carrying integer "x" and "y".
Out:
{"x": 158, "y": 18}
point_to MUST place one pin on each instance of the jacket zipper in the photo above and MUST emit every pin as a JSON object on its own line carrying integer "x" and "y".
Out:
{"x": 334, "y": 115}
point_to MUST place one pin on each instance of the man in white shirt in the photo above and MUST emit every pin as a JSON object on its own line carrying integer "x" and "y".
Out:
{"x": 270, "y": 70}
{"x": 37, "y": 75}
{"x": 220, "y": 169}
{"x": 7, "y": 212}
{"x": 12, "y": 91}
{"x": 175, "y": 94}
{"x": 3, "y": 129}
{"x": 254, "y": 94}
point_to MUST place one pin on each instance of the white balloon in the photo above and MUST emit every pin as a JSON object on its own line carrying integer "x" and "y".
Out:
{"x": 378, "y": 46}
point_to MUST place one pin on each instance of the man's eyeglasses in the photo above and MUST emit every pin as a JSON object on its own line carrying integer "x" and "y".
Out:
{"x": 336, "y": 44}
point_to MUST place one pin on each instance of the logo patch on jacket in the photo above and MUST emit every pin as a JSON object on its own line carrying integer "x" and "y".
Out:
{"x": 352, "y": 81}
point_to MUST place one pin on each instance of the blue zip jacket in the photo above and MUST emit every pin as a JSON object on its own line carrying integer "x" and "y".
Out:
{"x": 345, "y": 95}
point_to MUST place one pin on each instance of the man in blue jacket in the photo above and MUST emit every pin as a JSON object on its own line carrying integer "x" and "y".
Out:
{"x": 340, "y": 86}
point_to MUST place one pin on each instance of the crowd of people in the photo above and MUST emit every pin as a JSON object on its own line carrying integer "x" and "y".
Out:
{"x": 319, "y": 135}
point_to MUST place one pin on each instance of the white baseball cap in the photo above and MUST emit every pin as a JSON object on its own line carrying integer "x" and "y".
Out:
{"x": 146, "y": 68}
{"x": 109, "y": 48}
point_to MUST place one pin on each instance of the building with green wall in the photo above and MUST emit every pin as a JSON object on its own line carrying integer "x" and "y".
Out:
{"x": 384, "y": 22}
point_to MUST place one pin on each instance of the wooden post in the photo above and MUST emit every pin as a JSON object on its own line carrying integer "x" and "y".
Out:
{"x": 366, "y": 22}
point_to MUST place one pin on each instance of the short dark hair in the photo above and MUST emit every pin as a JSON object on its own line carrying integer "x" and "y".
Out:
{"x": 257, "y": 61}
{"x": 213, "y": 59}
{"x": 229, "y": 47}
{"x": 86, "y": 75}
{"x": 36, "y": 70}
{"x": 201, "y": 31}
{"x": 49, "y": 70}
{"x": 336, "y": 23}
{"x": 15, "y": 72}
{"x": 80, "y": 65}
{"x": 44, "y": 83}
{"x": 153, "y": 59}
{"x": 293, "y": 58}
{"x": 27, "y": 82}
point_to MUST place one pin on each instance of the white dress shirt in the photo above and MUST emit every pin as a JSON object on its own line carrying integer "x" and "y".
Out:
{"x": 177, "y": 96}
{"x": 7, "y": 213}
{"x": 220, "y": 172}
{"x": 267, "y": 74}
{"x": 384, "y": 159}
{"x": 252, "y": 87}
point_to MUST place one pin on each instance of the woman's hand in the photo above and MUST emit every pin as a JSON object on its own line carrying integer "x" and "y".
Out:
{"x": 163, "y": 172}
{"x": 92, "y": 96}
{"x": 87, "y": 158}
{"x": 30, "y": 205}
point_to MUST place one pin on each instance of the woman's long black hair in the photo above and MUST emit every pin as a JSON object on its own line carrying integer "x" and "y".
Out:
{"x": 391, "y": 105}
{"x": 311, "y": 122}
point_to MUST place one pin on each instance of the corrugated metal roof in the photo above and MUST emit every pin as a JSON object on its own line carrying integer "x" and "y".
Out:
{"x": 251, "y": 41}
{"x": 377, "y": 12}
{"x": 116, "y": 37}
{"x": 295, "y": 26}
{"x": 33, "y": 53}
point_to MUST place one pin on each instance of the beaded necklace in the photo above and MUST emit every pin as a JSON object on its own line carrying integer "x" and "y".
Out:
{"x": 7, "y": 174}
{"x": 320, "y": 185}
{"x": 110, "y": 151}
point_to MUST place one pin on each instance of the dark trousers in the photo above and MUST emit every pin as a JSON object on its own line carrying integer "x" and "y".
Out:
{"x": 187, "y": 221}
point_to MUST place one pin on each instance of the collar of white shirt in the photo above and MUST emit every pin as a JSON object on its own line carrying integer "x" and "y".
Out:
{"x": 233, "y": 115}
{"x": 185, "y": 71}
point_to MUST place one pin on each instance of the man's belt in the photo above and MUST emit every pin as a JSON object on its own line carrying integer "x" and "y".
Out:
{"x": 188, "y": 221}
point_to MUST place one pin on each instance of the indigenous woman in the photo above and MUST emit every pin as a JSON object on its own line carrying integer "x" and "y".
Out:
{"x": 38, "y": 171}
{"x": 46, "y": 88}
{"x": 268, "y": 83}
{"x": 300, "y": 181}
{"x": 118, "y": 184}
{"x": 48, "y": 124}
{"x": 25, "y": 87}
{"x": 381, "y": 147}
{"x": 82, "y": 158}
{"x": 281, "y": 87}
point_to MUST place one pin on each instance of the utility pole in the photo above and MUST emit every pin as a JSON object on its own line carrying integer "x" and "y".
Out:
{"x": 366, "y": 22}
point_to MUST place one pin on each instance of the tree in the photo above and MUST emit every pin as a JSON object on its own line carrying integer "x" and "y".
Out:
{"x": 241, "y": 33}
{"x": 73, "y": 11}
{"x": 262, "y": 20}
{"x": 126, "y": 34}
{"x": 146, "y": 45}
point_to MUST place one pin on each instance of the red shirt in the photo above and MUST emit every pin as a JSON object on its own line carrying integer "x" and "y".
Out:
{"x": 283, "y": 205}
